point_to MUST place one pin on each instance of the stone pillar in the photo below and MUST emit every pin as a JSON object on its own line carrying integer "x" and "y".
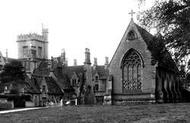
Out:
{"x": 89, "y": 97}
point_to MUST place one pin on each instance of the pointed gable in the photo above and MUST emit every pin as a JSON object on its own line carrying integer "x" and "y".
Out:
{"x": 143, "y": 39}
{"x": 131, "y": 39}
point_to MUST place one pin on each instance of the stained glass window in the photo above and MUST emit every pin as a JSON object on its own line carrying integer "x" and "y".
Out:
{"x": 131, "y": 69}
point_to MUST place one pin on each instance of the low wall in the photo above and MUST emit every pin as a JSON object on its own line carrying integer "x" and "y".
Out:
{"x": 29, "y": 104}
{"x": 7, "y": 105}
{"x": 125, "y": 99}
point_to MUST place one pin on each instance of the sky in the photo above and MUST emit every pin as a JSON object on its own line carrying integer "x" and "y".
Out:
{"x": 73, "y": 25}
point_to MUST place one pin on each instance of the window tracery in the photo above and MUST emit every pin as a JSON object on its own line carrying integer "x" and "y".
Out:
{"x": 131, "y": 71}
{"x": 131, "y": 35}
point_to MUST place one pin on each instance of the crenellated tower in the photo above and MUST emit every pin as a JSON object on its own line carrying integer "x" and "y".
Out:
{"x": 32, "y": 48}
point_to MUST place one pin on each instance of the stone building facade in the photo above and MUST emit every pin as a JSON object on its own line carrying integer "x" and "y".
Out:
{"x": 142, "y": 70}
{"x": 87, "y": 83}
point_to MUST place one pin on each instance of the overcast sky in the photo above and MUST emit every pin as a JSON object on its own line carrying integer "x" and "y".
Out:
{"x": 73, "y": 24}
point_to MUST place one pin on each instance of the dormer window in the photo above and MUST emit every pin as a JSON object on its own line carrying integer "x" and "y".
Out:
{"x": 131, "y": 35}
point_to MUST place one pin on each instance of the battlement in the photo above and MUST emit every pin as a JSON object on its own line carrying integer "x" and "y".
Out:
{"x": 31, "y": 36}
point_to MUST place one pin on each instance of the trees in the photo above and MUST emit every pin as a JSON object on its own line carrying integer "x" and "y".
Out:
{"x": 171, "y": 18}
{"x": 13, "y": 73}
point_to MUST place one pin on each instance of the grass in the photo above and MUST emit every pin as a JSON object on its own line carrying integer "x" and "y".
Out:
{"x": 155, "y": 113}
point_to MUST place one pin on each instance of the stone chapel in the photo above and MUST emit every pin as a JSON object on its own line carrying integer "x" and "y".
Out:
{"x": 143, "y": 69}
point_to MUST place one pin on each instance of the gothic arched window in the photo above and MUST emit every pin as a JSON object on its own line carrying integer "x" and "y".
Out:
{"x": 131, "y": 71}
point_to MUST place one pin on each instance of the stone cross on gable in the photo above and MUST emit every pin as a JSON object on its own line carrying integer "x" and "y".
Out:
{"x": 131, "y": 13}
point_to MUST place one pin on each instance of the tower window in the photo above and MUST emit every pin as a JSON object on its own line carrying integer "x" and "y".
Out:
{"x": 40, "y": 52}
{"x": 33, "y": 53}
{"x": 25, "y": 51}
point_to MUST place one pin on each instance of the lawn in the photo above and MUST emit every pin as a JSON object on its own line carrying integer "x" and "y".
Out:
{"x": 154, "y": 113}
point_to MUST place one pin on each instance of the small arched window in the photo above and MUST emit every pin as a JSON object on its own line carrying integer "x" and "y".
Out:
{"x": 131, "y": 35}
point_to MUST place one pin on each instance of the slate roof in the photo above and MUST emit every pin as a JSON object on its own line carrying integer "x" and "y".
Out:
{"x": 164, "y": 59}
{"x": 65, "y": 74}
{"x": 32, "y": 86}
{"x": 53, "y": 87}
{"x": 42, "y": 69}
{"x": 70, "y": 70}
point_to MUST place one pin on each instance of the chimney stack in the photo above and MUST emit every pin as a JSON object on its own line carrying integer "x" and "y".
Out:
{"x": 75, "y": 62}
{"x": 63, "y": 57}
{"x": 106, "y": 62}
{"x": 6, "y": 56}
{"x": 95, "y": 62}
{"x": 87, "y": 56}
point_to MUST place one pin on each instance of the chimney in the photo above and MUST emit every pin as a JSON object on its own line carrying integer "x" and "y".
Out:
{"x": 66, "y": 62}
{"x": 51, "y": 64}
{"x": 63, "y": 59}
{"x": 75, "y": 62}
{"x": 87, "y": 57}
{"x": 106, "y": 62}
{"x": 6, "y": 56}
{"x": 95, "y": 62}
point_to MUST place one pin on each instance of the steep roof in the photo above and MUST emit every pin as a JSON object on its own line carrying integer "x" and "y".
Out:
{"x": 53, "y": 87}
{"x": 32, "y": 86}
{"x": 65, "y": 74}
{"x": 155, "y": 45}
{"x": 70, "y": 70}
{"x": 42, "y": 69}
{"x": 164, "y": 58}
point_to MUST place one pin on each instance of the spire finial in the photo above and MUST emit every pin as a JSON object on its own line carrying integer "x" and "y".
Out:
{"x": 132, "y": 13}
